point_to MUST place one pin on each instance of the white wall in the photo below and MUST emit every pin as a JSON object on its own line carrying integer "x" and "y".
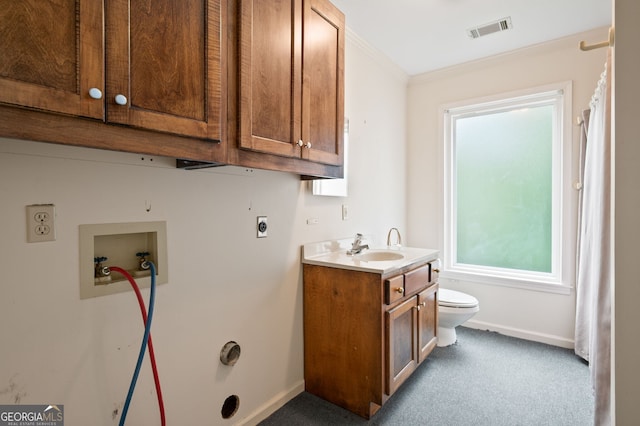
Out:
{"x": 224, "y": 283}
{"x": 535, "y": 315}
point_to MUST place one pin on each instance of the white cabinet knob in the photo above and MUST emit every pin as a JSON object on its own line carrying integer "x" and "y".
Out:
{"x": 300, "y": 143}
{"x": 121, "y": 99}
{"x": 95, "y": 93}
{"x": 308, "y": 145}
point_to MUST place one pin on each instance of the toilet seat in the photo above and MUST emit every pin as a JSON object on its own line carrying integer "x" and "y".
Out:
{"x": 456, "y": 299}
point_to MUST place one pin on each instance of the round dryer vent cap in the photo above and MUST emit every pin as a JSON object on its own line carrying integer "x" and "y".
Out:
{"x": 230, "y": 353}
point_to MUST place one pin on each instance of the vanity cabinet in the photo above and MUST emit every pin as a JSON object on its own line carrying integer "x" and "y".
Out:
{"x": 148, "y": 64}
{"x": 365, "y": 333}
{"x": 292, "y": 79}
{"x": 411, "y": 336}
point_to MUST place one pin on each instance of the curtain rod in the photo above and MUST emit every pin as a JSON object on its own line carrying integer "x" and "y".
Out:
{"x": 584, "y": 46}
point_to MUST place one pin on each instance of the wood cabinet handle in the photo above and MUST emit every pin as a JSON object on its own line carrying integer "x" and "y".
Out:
{"x": 399, "y": 290}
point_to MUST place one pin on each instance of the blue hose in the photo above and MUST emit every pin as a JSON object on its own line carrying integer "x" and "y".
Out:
{"x": 143, "y": 347}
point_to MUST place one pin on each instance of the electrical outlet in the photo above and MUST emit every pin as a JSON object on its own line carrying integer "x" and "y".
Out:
{"x": 41, "y": 223}
{"x": 262, "y": 226}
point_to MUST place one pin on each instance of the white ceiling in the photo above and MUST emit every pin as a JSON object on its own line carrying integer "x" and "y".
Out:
{"x": 424, "y": 35}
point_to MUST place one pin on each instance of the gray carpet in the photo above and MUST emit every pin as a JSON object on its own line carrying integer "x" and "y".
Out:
{"x": 484, "y": 379}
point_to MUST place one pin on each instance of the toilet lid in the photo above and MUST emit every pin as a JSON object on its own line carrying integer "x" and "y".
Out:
{"x": 456, "y": 299}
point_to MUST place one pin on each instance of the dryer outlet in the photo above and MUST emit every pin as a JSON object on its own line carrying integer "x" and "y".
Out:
{"x": 262, "y": 227}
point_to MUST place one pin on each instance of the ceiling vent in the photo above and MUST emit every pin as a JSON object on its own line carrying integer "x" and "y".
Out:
{"x": 490, "y": 28}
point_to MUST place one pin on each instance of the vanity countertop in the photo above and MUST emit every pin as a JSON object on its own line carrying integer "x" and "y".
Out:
{"x": 333, "y": 254}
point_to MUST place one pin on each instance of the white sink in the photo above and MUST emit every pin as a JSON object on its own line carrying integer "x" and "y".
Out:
{"x": 380, "y": 259}
{"x": 379, "y": 256}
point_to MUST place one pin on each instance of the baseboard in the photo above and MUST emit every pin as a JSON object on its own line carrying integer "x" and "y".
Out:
{"x": 272, "y": 405}
{"x": 522, "y": 334}
{"x": 282, "y": 398}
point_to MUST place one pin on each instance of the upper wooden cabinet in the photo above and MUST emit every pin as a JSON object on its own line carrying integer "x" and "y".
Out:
{"x": 163, "y": 61}
{"x": 265, "y": 78}
{"x": 292, "y": 79}
{"x": 164, "y": 65}
{"x": 51, "y": 55}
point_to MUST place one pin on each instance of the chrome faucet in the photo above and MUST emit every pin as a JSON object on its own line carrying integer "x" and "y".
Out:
{"x": 398, "y": 241}
{"x": 356, "y": 245}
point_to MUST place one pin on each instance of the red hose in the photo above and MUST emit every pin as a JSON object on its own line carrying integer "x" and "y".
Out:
{"x": 152, "y": 355}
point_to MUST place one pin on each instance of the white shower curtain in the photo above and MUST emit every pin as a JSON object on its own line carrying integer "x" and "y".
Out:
{"x": 595, "y": 256}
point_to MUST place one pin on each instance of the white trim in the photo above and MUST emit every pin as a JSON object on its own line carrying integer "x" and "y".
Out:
{"x": 549, "y": 339}
{"x": 562, "y": 43}
{"x": 273, "y": 405}
{"x": 562, "y": 276}
{"x": 375, "y": 54}
{"x": 564, "y": 86}
{"x": 525, "y": 284}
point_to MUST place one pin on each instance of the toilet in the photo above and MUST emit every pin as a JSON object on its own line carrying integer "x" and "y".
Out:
{"x": 454, "y": 308}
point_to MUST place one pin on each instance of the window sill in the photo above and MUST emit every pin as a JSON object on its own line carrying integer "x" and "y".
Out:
{"x": 521, "y": 283}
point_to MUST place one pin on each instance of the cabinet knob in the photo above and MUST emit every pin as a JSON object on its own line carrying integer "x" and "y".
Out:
{"x": 121, "y": 99}
{"x": 308, "y": 145}
{"x": 399, "y": 290}
{"x": 436, "y": 270}
{"x": 95, "y": 93}
{"x": 300, "y": 143}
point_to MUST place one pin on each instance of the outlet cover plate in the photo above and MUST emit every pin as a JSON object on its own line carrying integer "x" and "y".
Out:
{"x": 345, "y": 212}
{"x": 262, "y": 227}
{"x": 41, "y": 223}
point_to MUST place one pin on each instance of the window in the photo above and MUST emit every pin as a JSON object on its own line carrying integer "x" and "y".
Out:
{"x": 507, "y": 164}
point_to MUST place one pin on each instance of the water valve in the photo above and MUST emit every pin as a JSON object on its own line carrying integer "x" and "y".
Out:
{"x": 143, "y": 263}
{"x": 102, "y": 274}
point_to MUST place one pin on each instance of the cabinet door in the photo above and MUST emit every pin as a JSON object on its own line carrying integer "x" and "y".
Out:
{"x": 51, "y": 55}
{"x": 164, "y": 65}
{"x": 427, "y": 321}
{"x": 323, "y": 83}
{"x": 292, "y": 79}
{"x": 270, "y": 76}
{"x": 402, "y": 336}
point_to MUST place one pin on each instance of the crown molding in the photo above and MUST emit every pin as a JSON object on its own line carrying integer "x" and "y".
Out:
{"x": 353, "y": 38}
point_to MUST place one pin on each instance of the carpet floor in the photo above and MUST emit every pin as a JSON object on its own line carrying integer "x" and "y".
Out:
{"x": 484, "y": 379}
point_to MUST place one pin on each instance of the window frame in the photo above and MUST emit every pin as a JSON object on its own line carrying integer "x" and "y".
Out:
{"x": 564, "y": 200}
